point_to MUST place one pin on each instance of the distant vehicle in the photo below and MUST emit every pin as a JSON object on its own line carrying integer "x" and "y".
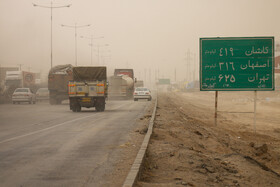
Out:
{"x": 88, "y": 88}
{"x": 58, "y": 79}
{"x": 42, "y": 94}
{"x": 139, "y": 83}
{"x": 142, "y": 93}
{"x": 23, "y": 95}
{"x": 5, "y": 97}
{"x": 121, "y": 85}
{"x": 18, "y": 79}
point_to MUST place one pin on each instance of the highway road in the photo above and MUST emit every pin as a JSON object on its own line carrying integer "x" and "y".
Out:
{"x": 49, "y": 145}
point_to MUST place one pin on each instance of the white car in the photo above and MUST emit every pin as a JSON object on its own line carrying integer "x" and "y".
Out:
{"x": 42, "y": 94}
{"x": 142, "y": 93}
{"x": 23, "y": 95}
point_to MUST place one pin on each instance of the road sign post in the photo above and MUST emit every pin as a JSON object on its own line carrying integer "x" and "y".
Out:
{"x": 216, "y": 107}
{"x": 237, "y": 64}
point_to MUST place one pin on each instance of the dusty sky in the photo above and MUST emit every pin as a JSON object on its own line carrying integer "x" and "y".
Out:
{"x": 147, "y": 35}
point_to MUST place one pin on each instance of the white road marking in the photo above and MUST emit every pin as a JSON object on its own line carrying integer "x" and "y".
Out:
{"x": 48, "y": 128}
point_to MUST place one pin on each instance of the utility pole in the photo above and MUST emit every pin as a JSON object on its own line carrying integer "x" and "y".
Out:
{"x": 145, "y": 75}
{"x": 188, "y": 59}
{"x": 175, "y": 75}
{"x": 156, "y": 75}
{"x": 51, "y": 8}
{"x": 194, "y": 67}
{"x": 75, "y": 27}
{"x": 98, "y": 51}
{"x": 20, "y": 66}
{"x": 189, "y": 65}
{"x": 150, "y": 80}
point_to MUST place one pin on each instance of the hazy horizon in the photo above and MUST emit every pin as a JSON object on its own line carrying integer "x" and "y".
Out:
{"x": 146, "y": 35}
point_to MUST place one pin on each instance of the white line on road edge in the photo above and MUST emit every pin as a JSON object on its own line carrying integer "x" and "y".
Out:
{"x": 35, "y": 132}
{"x": 135, "y": 168}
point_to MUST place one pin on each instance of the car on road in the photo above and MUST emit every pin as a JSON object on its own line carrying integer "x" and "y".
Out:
{"x": 23, "y": 95}
{"x": 142, "y": 93}
{"x": 42, "y": 94}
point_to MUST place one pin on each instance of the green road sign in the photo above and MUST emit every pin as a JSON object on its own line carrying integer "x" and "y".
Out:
{"x": 164, "y": 81}
{"x": 240, "y": 64}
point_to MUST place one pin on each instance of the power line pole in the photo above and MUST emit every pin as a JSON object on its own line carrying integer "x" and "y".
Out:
{"x": 145, "y": 71}
{"x": 194, "y": 67}
{"x": 20, "y": 66}
{"x": 150, "y": 79}
{"x": 98, "y": 51}
{"x": 175, "y": 75}
{"x": 51, "y": 8}
{"x": 189, "y": 64}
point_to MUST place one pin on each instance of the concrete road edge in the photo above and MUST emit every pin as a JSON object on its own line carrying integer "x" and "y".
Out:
{"x": 136, "y": 166}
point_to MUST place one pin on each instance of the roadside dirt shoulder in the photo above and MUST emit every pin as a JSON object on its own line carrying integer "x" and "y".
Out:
{"x": 187, "y": 149}
{"x": 126, "y": 152}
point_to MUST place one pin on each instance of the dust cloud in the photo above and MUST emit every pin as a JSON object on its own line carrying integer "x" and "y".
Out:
{"x": 157, "y": 38}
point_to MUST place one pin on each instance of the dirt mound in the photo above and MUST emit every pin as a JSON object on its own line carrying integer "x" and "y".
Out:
{"x": 187, "y": 149}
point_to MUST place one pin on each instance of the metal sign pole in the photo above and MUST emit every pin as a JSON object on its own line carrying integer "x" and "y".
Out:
{"x": 255, "y": 110}
{"x": 216, "y": 106}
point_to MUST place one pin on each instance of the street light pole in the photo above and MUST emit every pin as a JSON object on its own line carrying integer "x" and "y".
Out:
{"x": 51, "y": 7}
{"x": 75, "y": 27}
{"x": 98, "y": 52}
{"x": 20, "y": 66}
{"x": 91, "y": 44}
{"x": 104, "y": 55}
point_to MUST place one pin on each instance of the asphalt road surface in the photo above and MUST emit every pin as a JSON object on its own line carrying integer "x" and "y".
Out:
{"x": 47, "y": 145}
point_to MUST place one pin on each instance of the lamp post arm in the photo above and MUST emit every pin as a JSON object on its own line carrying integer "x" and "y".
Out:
{"x": 62, "y": 6}
{"x": 43, "y": 6}
{"x": 75, "y": 26}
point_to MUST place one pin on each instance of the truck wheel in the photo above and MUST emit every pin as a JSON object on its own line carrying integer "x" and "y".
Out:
{"x": 78, "y": 108}
{"x": 97, "y": 108}
{"x": 100, "y": 107}
{"x": 103, "y": 108}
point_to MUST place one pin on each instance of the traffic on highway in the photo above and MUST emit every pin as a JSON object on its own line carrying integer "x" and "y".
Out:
{"x": 143, "y": 93}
